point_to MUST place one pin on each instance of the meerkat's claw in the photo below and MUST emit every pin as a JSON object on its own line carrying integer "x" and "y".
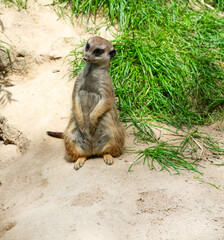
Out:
{"x": 92, "y": 130}
{"x": 108, "y": 159}
{"x": 81, "y": 128}
{"x": 79, "y": 163}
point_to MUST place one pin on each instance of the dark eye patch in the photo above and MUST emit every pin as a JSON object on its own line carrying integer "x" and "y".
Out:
{"x": 112, "y": 53}
{"x": 98, "y": 52}
{"x": 87, "y": 46}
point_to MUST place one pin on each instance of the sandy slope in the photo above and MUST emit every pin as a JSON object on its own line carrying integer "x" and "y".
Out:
{"x": 42, "y": 197}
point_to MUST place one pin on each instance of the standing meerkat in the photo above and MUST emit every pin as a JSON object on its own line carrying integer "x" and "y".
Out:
{"x": 94, "y": 128}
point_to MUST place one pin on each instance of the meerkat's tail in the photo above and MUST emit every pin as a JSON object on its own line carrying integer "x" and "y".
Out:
{"x": 55, "y": 134}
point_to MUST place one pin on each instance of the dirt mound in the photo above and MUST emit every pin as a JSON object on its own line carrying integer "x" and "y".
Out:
{"x": 9, "y": 134}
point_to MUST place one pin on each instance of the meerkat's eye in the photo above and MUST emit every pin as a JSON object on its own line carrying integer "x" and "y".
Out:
{"x": 112, "y": 53}
{"x": 87, "y": 46}
{"x": 98, "y": 52}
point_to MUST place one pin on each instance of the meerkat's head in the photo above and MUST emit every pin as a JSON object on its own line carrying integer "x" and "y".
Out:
{"x": 98, "y": 51}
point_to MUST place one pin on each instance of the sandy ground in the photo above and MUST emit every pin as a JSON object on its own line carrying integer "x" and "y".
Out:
{"x": 42, "y": 197}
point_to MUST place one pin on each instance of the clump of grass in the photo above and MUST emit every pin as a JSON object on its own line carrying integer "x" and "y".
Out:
{"x": 169, "y": 68}
{"x": 167, "y": 156}
{"x": 218, "y": 4}
{"x": 174, "y": 154}
{"x": 170, "y": 59}
{"x": 170, "y": 82}
{"x": 4, "y": 46}
{"x": 20, "y": 4}
{"x": 5, "y": 96}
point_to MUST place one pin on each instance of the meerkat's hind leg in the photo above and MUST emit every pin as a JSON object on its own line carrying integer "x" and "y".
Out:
{"x": 79, "y": 163}
{"x": 108, "y": 159}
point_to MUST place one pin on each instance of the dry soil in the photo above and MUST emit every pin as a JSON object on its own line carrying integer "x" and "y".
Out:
{"x": 42, "y": 197}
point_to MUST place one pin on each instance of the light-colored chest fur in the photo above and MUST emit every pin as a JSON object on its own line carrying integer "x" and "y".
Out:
{"x": 91, "y": 88}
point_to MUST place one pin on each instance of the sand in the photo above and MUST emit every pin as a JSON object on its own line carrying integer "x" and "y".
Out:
{"x": 42, "y": 197}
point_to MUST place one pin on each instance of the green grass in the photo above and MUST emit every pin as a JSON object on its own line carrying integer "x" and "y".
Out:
{"x": 4, "y": 46}
{"x": 169, "y": 63}
{"x": 20, "y": 4}
{"x": 6, "y": 96}
{"x": 218, "y": 4}
{"x": 204, "y": 181}
{"x": 177, "y": 153}
{"x": 169, "y": 68}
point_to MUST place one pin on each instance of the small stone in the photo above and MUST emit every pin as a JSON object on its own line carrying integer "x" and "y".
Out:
{"x": 52, "y": 57}
{"x": 22, "y": 53}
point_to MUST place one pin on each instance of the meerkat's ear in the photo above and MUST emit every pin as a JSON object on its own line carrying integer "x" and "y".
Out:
{"x": 112, "y": 53}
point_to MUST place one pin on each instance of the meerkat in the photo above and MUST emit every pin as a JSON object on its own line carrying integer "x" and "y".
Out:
{"x": 94, "y": 128}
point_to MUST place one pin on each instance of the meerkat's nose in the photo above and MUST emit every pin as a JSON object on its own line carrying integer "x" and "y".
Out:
{"x": 86, "y": 57}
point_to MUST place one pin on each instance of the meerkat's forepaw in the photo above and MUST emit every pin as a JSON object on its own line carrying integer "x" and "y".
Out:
{"x": 108, "y": 159}
{"x": 79, "y": 163}
{"x": 81, "y": 127}
{"x": 92, "y": 129}
{"x": 92, "y": 125}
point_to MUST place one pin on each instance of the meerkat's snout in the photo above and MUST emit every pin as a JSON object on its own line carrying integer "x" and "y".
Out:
{"x": 85, "y": 58}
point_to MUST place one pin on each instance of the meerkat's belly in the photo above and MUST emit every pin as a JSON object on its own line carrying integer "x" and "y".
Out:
{"x": 88, "y": 100}
{"x": 102, "y": 134}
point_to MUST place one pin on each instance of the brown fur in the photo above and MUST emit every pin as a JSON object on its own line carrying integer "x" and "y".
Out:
{"x": 94, "y": 127}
